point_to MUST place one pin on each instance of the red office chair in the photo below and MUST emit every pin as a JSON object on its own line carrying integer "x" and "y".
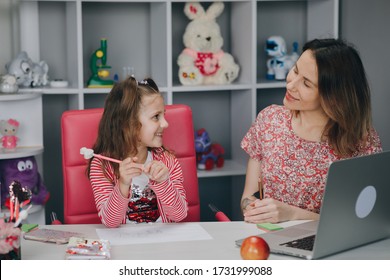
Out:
{"x": 79, "y": 129}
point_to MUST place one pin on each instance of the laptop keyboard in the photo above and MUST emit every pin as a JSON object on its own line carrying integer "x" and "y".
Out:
{"x": 305, "y": 243}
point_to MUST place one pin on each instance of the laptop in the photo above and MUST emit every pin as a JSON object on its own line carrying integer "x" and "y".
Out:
{"x": 355, "y": 211}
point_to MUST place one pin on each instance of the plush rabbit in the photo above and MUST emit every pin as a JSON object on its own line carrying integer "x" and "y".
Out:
{"x": 203, "y": 61}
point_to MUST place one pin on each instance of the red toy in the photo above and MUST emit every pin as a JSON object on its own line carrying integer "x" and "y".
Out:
{"x": 207, "y": 153}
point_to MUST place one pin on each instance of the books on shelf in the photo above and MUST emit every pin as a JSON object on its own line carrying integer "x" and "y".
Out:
{"x": 80, "y": 248}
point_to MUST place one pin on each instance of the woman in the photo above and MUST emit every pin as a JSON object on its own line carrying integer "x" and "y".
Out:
{"x": 326, "y": 117}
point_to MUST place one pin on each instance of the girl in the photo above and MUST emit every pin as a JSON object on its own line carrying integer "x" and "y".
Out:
{"x": 326, "y": 117}
{"x": 147, "y": 185}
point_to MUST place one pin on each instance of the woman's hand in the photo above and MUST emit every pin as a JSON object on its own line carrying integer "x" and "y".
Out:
{"x": 267, "y": 210}
{"x": 157, "y": 171}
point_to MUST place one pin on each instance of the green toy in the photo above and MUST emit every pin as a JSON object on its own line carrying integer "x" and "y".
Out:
{"x": 100, "y": 70}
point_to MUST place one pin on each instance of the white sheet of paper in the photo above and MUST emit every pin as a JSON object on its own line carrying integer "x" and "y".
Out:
{"x": 153, "y": 233}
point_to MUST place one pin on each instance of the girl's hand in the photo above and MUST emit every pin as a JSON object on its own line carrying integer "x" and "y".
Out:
{"x": 157, "y": 171}
{"x": 268, "y": 210}
{"x": 128, "y": 169}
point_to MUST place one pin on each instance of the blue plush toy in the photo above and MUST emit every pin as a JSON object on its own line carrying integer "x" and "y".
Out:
{"x": 25, "y": 171}
{"x": 208, "y": 154}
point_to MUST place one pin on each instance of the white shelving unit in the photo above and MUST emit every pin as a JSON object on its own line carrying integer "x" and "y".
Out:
{"x": 147, "y": 35}
{"x": 36, "y": 215}
{"x": 26, "y": 108}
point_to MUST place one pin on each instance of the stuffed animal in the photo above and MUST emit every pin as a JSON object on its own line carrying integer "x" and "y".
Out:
{"x": 9, "y": 129}
{"x": 203, "y": 61}
{"x": 8, "y": 84}
{"x": 27, "y": 72}
{"x": 25, "y": 171}
{"x": 208, "y": 154}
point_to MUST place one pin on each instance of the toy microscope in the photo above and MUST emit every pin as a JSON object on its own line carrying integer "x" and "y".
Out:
{"x": 100, "y": 70}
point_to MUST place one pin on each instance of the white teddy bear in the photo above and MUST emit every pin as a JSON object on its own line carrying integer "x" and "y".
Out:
{"x": 203, "y": 61}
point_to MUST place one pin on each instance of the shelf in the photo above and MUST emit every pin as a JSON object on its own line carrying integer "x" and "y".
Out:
{"x": 230, "y": 168}
{"x": 205, "y": 88}
{"x": 21, "y": 152}
{"x": 26, "y": 108}
{"x": 21, "y": 95}
{"x": 96, "y": 90}
{"x": 36, "y": 215}
{"x": 271, "y": 84}
{"x": 33, "y": 209}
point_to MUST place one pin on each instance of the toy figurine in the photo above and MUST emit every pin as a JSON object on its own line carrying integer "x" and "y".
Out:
{"x": 280, "y": 63}
{"x": 25, "y": 171}
{"x": 27, "y": 72}
{"x": 207, "y": 153}
{"x": 8, "y": 84}
{"x": 9, "y": 129}
{"x": 18, "y": 197}
{"x": 100, "y": 71}
{"x": 203, "y": 61}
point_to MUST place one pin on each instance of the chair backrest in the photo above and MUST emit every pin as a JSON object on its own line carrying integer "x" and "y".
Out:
{"x": 79, "y": 129}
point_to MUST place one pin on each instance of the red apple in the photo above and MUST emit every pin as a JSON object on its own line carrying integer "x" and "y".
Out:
{"x": 254, "y": 248}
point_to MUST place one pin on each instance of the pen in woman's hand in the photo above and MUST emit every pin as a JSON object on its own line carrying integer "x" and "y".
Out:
{"x": 260, "y": 187}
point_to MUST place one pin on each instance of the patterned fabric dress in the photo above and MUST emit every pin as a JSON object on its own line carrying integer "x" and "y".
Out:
{"x": 293, "y": 170}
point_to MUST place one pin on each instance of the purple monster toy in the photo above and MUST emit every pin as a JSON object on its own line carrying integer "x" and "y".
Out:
{"x": 25, "y": 171}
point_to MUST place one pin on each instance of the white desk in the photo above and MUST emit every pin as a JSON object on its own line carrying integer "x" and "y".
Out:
{"x": 220, "y": 247}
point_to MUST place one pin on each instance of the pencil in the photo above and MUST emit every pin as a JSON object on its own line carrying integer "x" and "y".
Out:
{"x": 260, "y": 189}
{"x": 17, "y": 208}
{"x": 11, "y": 209}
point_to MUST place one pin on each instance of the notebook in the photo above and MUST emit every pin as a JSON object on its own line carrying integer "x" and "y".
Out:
{"x": 355, "y": 211}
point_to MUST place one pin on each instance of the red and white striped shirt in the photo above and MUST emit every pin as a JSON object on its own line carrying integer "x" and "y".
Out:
{"x": 112, "y": 206}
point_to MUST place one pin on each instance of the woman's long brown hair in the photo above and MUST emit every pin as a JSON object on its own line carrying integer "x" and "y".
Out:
{"x": 344, "y": 92}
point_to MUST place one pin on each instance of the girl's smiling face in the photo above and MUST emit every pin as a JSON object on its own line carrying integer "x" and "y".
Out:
{"x": 152, "y": 119}
{"x": 302, "y": 85}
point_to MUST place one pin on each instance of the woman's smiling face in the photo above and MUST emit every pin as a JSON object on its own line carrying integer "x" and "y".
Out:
{"x": 302, "y": 85}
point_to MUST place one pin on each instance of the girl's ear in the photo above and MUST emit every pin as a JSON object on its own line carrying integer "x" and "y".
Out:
{"x": 194, "y": 10}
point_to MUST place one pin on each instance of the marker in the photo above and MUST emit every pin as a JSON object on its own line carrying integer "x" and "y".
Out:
{"x": 220, "y": 216}
{"x": 17, "y": 208}
{"x": 54, "y": 219}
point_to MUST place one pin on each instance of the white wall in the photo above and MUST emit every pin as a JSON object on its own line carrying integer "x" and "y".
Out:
{"x": 8, "y": 23}
{"x": 366, "y": 24}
